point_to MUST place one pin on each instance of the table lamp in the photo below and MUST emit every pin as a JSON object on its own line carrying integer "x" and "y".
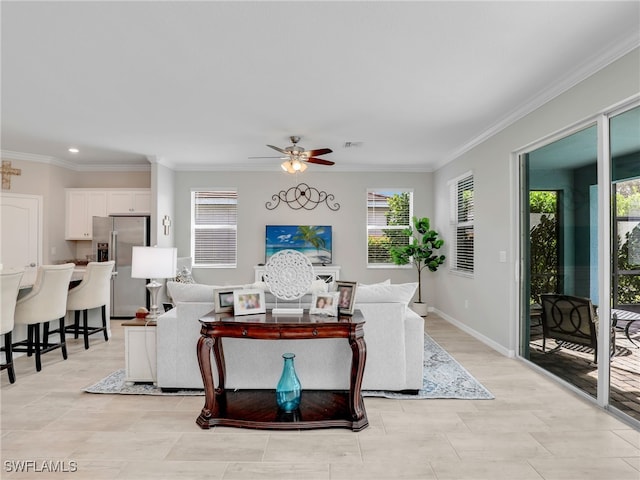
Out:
{"x": 153, "y": 263}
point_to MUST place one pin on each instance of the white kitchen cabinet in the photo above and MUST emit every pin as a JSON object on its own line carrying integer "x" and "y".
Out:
{"x": 81, "y": 206}
{"x": 129, "y": 201}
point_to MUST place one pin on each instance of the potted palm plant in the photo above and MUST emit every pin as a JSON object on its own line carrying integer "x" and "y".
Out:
{"x": 421, "y": 252}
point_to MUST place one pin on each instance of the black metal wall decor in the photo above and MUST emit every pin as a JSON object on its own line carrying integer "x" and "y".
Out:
{"x": 303, "y": 196}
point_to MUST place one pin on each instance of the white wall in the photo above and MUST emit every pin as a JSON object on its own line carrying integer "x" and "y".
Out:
{"x": 492, "y": 293}
{"x": 162, "y": 190}
{"x": 349, "y": 223}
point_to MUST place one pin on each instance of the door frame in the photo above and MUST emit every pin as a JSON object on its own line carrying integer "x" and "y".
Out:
{"x": 602, "y": 121}
{"x": 40, "y": 216}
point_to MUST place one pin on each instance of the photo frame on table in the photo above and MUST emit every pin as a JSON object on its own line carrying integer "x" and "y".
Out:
{"x": 223, "y": 300}
{"x": 346, "y": 296}
{"x": 324, "y": 303}
{"x": 248, "y": 301}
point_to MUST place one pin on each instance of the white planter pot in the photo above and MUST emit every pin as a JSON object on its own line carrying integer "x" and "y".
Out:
{"x": 421, "y": 309}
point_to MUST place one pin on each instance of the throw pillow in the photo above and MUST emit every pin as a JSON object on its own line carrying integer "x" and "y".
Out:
{"x": 190, "y": 292}
{"x": 386, "y": 282}
{"x": 381, "y": 293}
{"x": 318, "y": 286}
{"x": 184, "y": 276}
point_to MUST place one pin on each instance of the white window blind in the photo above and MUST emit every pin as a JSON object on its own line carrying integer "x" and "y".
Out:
{"x": 389, "y": 212}
{"x": 214, "y": 228}
{"x": 462, "y": 219}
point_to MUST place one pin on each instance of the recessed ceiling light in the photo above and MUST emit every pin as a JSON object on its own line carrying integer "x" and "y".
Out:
{"x": 74, "y": 150}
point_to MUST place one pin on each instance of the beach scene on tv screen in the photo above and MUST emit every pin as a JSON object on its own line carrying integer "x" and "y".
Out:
{"x": 312, "y": 240}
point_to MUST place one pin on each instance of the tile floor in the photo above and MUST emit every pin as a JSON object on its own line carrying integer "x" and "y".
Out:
{"x": 534, "y": 429}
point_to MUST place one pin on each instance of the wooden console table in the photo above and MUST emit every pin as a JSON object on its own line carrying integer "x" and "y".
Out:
{"x": 258, "y": 408}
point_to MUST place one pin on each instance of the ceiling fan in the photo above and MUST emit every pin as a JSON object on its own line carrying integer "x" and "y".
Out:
{"x": 296, "y": 156}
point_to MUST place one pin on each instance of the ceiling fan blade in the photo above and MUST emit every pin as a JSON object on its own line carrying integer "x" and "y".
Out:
{"x": 320, "y": 151}
{"x": 320, "y": 161}
{"x": 278, "y": 149}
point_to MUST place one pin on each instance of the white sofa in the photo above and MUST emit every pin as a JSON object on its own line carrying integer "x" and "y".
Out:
{"x": 394, "y": 337}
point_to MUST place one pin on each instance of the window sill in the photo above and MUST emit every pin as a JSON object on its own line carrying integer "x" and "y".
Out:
{"x": 389, "y": 266}
{"x": 462, "y": 273}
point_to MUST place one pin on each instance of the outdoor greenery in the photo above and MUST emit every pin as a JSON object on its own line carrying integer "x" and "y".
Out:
{"x": 544, "y": 260}
{"x": 628, "y": 278}
{"x": 423, "y": 242}
{"x": 398, "y": 215}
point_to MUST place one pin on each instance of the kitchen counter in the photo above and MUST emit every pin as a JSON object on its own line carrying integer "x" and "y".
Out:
{"x": 30, "y": 274}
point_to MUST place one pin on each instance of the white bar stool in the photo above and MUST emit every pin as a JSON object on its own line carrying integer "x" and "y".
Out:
{"x": 9, "y": 286}
{"x": 47, "y": 301}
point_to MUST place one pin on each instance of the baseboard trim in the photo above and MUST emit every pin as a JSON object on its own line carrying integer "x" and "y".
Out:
{"x": 475, "y": 334}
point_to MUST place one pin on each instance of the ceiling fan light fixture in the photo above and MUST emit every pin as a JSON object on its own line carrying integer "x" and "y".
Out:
{"x": 293, "y": 166}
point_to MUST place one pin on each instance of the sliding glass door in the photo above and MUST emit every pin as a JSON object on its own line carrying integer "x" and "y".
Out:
{"x": 570, "y": 319}
{"x": 624, "y": 376}
{"x": 559, "y": 244}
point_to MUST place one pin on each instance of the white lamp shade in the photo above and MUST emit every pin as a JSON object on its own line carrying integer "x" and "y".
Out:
{"x": 153, "y": 262}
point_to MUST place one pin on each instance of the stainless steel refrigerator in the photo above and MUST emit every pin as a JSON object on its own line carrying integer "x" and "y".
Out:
{"x": 113, "y": 239}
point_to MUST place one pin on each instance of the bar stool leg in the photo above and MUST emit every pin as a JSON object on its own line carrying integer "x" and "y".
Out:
{"x": 45, "y": 335}
{"x": 104, "y": 323}
{"x": 63, "y": 339}
{"x": 37, "y": 345}
{"x": 8, "y": 352}
{"x": 85, "y": 329}
{"x": 29, "y": 340}
{"x": 76, "y": 324}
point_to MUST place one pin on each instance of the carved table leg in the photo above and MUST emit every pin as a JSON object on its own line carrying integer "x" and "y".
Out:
{"x": 359, "y": 357}
{"x": 204, "y": 360}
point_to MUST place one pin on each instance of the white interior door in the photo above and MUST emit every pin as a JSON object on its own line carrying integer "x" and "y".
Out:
{"x": 21, "y": 237}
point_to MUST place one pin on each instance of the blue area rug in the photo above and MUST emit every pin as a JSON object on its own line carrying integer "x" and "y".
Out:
{"x": 443, "y": 377}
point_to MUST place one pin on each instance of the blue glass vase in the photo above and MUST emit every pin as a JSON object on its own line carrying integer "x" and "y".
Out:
{"x": 289, "y": 388}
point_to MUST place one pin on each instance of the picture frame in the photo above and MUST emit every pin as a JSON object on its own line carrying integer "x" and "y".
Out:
{"x": 324, "y": 303}
{"x": 223, "y": 300}
{"x": 248, "y": 301}
{"x": 346, "y": 296}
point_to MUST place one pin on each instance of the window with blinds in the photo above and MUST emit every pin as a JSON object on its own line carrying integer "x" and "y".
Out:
{"x": 214, "y": 226}
{"x": 462, "y": 220}
{"x": 389, "y": 212}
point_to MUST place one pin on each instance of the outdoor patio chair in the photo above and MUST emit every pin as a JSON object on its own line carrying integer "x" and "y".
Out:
{"x": 566, "y": 318}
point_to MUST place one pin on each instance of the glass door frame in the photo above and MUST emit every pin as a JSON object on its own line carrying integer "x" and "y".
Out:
{"x": 519, "y": 174}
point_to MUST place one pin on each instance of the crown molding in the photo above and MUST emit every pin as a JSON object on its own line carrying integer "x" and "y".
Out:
{"x": 274, "y": 168}
{"x": 116, "y": 167}
{"x": 34, "y": 157}
{"x": 570, "y": 80}
{"x": 154, "y": 159}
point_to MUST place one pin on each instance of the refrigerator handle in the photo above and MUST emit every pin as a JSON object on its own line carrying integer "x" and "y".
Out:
{"x": 114, "y": 251}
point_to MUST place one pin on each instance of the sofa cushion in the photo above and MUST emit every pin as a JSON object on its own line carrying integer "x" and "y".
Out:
{"x": 385, "y": 282}
{"x": 383, "y": 293}
{"x": 190, "y": 292}
{"x": 195, "y": 292}
{"x": 317, "y": 286}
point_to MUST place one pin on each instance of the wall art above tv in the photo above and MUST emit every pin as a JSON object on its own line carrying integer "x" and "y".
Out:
{"x": 312, "y": 240}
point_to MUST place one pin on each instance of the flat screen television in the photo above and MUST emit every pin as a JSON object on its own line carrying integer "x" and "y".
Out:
{"x": 312, "y": 240}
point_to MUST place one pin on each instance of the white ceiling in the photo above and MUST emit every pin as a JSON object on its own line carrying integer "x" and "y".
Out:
{"x": 205, "y": 85}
